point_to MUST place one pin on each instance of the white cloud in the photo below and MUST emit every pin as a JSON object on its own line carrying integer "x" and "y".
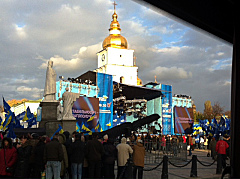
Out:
{"x": 172, "y": 73}
{"x": 31, "y": 92}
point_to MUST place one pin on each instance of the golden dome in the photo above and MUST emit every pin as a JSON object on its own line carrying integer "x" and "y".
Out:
{"x": 115, "y": 39}
{"x": 139, "y": 82}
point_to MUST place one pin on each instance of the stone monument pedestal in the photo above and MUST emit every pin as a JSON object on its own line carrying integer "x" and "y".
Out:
{"x": 49, "y": 117}
{"x": 69, "y": 125}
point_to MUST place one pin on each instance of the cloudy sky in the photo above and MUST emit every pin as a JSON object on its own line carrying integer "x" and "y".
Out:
{"x": 71, "y": 33}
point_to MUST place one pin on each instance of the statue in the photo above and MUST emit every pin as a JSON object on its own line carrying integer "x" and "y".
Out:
{"x": 59, "y": 110}
{"x": 68, "y": 99}
{"x": 50, "y": 84}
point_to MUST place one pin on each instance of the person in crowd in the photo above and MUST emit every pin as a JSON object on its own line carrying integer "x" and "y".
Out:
{"x": 124, "y": 150}
{"x": 8, "y": 157}
{"x": 174, "y": 145}
{"x": 184, "y": 139}
{"x": 85, "y": 163}
{"x": 163, "y": 144}
{"x": 24, "y": 151}
{"x": 197, "y": 142}
{"x": 221, "y": 147}
{"x": 148, "y": 142}
{"x": 33, "y": 140}
{"x": 212, "y": 147}
{"x": 168, "y": 143}
{"x": 16, "y": 142}
{"x": 67, "y": 144}
{"x": 108, "y": 159}
{"x": 77, "y": 156}
{"x": 189, "y": 143}
{"x": 64, "y": 162}
{"x": 94, "y": 152}
{"x": 39, "y": 153}
{"x": 201, "y": 142}
{"x": 205, "y": 142}
{"x": 193, "y": 143}
{"x": 138, "y": 159}
{"x": 154, "y": 142}
{"x": 73, "y": 135}
{"x": 180, "y": 139}
{"x": 53, "y": 155}
{"x": 105, "y": 139}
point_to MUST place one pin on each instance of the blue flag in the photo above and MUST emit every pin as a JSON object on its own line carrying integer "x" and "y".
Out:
{"x": 6, "y": 106}
{"x": 11, "y": 133}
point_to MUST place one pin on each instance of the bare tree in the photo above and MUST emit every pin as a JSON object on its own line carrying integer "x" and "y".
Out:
{"x": 208, "y": 110}
{"x": 217, "y": 109}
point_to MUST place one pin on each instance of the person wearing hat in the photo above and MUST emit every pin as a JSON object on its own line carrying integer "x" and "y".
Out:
{"x": 138, "y": 159}
{"x": 124, "y": 150}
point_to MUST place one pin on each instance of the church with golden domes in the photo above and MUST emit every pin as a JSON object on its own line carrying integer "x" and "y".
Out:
{"x": 115, "y": 58}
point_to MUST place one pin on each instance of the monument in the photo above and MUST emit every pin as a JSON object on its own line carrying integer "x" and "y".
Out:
{"x": 68, "y": 99}
{"x": 50, "y": 84}
{"x": 49, "y": 104}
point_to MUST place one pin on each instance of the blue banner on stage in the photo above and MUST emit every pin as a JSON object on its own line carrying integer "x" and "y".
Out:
{"x": 105, "y": 95}
{"x": 167, "y": 122}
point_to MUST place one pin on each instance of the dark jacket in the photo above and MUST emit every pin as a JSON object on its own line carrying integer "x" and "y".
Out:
{"x": 110, "y": 153}
{"x": 53, "y": 151}
{"x": 76, "y": 151}
{"x": 94, "y": 150}
{"x": 11, "y": 157}
{"x": 39, "y": 155}
{"x": 22, "y": 168}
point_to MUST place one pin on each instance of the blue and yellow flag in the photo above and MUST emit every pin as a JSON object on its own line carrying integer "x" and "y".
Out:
{"x": 59, "y": 130}
{"x": 6, "y": 106}
{"x": 28, "y": 115}
{"x": 78, "y": 127}
{"x": 84, "y": 128}
{"x": 8, "y": 116}
{"x": 97, "y": 126}
{"x": 11, "y": 133}
{"x": 91, "y": 118}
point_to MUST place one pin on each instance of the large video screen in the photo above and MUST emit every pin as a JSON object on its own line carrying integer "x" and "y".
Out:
{"x": 84, "y": 108}
{"x": 183, "y": 120}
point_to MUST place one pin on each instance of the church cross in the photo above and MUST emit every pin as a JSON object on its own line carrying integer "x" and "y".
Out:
{"x": 114, "y": 6}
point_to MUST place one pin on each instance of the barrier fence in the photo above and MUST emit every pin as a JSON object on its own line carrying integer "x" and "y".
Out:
{"x": 165, "y": 162}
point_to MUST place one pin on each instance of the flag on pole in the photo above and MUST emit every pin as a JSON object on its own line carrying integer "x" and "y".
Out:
{"x": 59, "y": 130}
{"x": 28, "y": 115}
{"x": 78, "y": 127}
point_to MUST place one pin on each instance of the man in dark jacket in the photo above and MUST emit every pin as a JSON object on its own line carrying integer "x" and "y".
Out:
{"x": 94, "y": 152}
{"x": 109, "y": 157}
{"x": 76, "y": 152}
{"x": 53, "y": 155}
{"x": 24, "y": 152}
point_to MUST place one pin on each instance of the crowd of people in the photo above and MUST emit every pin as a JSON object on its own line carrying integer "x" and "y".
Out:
{"x": 87, "y": 156}
{"x": 76, "y": 156}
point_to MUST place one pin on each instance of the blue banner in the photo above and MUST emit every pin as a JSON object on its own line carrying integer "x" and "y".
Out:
{"x": 167, "y": 122}
{"x": 105, "y": 95}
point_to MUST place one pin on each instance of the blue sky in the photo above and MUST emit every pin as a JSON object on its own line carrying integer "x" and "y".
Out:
{"x": 71, "y": 33}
